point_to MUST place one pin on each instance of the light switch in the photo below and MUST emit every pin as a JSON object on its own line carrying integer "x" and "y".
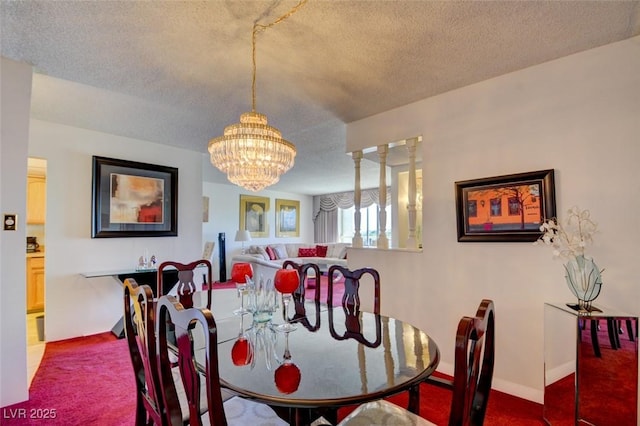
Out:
{"x": 10, "y": 222}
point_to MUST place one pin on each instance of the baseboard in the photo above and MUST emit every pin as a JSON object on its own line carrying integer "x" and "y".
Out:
{"x": 505, "y": 386}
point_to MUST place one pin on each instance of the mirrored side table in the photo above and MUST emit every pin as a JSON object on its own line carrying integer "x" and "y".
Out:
{"x": 590, "y": 366}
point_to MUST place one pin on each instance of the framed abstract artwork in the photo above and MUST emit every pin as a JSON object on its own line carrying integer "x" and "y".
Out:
{"x": 287, "y": 218}
{"x": 253, "y": 215}
{"x": 205, "y": 209}
{"x": 131, "y": 199}
{"x": 505, "y": 208}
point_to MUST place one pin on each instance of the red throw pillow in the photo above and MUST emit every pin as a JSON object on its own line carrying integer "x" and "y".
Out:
{"x": 271, "y": 253}
{"x": 321, "y": 251}
{"x": 307, "y": 252}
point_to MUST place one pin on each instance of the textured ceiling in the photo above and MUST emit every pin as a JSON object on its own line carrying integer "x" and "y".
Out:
{"x": 178, "y": 72}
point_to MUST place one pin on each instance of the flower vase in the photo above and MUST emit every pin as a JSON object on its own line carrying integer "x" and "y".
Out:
{"x": 584, "y": 280}
{"x": 262, "y": 300}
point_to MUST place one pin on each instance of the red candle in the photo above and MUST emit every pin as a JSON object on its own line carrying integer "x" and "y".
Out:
{"x": 286, "y": 280}
{"x": 240, "y": 271}
{"x": 242, "y": 352}
{"x": 287, "y": 377}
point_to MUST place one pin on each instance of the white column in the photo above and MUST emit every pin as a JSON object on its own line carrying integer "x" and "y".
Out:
{"x": 412, "y": 242}
{"x": 383, "y": 242}
{"x": 357, "y": 238}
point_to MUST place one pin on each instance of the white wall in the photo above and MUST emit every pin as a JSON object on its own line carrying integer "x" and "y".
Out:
{"x": 74, "y": 305}
{"x": 579, "y": 115}
{"x": 77, "y": 306}
{"x": 15, "y": 87}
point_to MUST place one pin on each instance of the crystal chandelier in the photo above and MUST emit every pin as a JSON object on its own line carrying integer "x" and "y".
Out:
{"x": 251, "y": 153}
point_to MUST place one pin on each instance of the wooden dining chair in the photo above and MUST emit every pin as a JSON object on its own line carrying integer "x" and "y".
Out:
{"x": 185, "y": 281}
{"x": 351, "y": 296}
{"x": 471, "y": 384}
{"x": 300, "y": 314}
{"x": 139, "y": 328}
{"x": 199, "y": 375}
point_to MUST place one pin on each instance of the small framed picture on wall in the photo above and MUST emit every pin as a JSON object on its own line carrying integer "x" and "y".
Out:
{"x": 253, "y": 215}
{"x": 287, "y": 218}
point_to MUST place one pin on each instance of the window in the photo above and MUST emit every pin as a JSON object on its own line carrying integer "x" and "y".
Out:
{"x": 514, "y": 206}
{"x": 368, "y": 225}
{"x": 473, "y": 208}
{"x": 496, "y": 207}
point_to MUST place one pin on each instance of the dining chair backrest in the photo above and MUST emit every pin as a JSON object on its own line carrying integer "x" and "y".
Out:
{"x": 351, "y": 295}
{"x": 185, "y": 322}
{"x": 186, "y": 284}
{"x": 473, "y": 369}
{"x": 471, "y": 384}
{"x": 303, "y": 271}
{"x": 139, "y": 328}
{"x": 300, "y": 314}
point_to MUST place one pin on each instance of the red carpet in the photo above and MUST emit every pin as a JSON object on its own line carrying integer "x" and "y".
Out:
{"x": 607, "y": 388}
{"x": 81, "y": 381}
{"x": 89, "y": 380}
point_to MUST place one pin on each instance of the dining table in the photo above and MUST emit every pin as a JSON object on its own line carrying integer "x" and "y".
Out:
{"x": 335, "y": 357}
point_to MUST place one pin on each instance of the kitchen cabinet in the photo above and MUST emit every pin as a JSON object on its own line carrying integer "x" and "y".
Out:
{"x": 35, "y": 283}
{"x": 36, "y": 199}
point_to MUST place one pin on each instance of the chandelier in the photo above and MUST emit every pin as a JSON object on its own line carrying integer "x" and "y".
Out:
{"x": 251, "y": 153}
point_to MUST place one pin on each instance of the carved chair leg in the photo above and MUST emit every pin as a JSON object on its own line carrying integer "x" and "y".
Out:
{"x": 612, "y": 330}
{"x": 594, "y": 338}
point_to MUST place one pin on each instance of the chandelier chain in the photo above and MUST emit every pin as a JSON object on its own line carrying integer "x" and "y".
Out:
{"x": 258, "y": 28}
{"x": 251, "y": 153}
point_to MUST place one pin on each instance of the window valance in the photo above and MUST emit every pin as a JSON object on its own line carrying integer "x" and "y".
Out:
{"x": 344, "y": 200}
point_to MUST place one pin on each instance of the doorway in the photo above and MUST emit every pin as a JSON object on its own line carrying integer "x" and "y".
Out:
{"x": 35, "y": 261}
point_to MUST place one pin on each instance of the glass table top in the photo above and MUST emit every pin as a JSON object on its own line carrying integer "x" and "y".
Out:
{"x": 335, "y": 358}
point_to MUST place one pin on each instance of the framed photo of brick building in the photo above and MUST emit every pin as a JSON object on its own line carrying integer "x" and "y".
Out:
{"x": 505, "y": 208}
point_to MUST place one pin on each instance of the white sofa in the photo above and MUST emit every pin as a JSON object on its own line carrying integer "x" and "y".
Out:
{"x": 265, "y": 266}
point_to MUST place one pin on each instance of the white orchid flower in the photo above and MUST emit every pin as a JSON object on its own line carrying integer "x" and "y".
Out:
{"x": 570, "y": 238}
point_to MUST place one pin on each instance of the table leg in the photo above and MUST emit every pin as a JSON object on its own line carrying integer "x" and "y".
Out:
{"x": 594, "y": 338}
{"x": 299, "y": 416}
{"x": 630, "y": 330}
{"x": 414, "y": 399}
{"x": 612, "y": 330}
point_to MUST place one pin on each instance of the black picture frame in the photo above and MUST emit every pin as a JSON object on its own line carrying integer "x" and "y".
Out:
{"x": 132, "y": 199}
{"x": 507, "y": 208}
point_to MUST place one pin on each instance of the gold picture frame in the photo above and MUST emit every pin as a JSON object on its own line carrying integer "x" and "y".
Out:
{"x": 287, "y": 218}
{"x": 254, "y": 213}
